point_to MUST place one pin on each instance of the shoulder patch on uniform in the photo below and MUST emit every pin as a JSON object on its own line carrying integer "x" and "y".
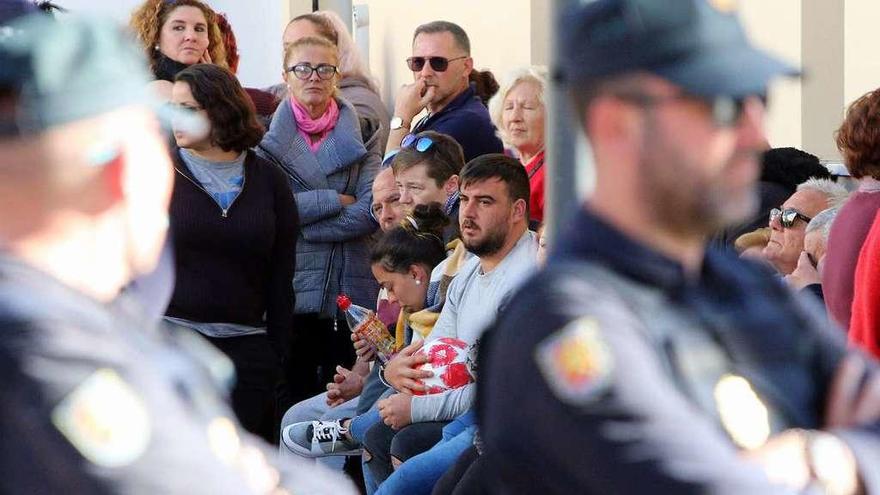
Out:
{"x": 575, "y": 361}
{"x": 105, "y": 420}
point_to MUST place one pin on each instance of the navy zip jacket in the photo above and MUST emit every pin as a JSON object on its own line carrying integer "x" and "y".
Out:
{"x": 236, "y": 266}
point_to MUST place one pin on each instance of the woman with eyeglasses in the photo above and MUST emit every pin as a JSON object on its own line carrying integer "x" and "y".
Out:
{"x": 234, "y": 225}
{"x": 356, "y": 84}
{"x": 517, "y": 110}
{"x": 315, "y": 137}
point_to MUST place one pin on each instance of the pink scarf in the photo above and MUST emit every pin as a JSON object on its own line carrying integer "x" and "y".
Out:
{"x": 315, "y": 131}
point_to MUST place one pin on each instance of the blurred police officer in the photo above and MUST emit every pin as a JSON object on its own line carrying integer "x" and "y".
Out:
{"x": 639, "y": 361}
{"x": 93, "y": 400}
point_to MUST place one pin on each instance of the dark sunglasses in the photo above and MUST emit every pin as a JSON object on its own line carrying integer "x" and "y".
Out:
{"x": 438, "y": 64}
{"x": 788, "y": 216}
{"x": 726, "y": 110}
{"x": 304, "y": 71}
{"x": 420, "y": 144}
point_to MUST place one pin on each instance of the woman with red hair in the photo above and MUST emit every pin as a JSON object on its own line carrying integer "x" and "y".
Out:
{"x": 858, "y": 140}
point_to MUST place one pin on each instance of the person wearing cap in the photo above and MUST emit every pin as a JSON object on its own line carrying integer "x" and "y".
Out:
{"x": 441, "y": 64}
{"x": 639, "y": 361}
{"x": 95, "y": 397}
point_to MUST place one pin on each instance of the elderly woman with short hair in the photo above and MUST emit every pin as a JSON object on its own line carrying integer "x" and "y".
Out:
{"x": 517, "y": 111}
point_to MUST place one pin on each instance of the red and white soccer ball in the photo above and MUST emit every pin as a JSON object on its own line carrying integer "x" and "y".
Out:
{"x": 448, "y": 360}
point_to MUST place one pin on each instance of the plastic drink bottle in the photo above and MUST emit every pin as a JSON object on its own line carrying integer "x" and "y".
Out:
{"x": 367, "y": 325}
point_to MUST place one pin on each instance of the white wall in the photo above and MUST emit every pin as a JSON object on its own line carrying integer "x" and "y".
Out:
{"x": 776, "y": 26}
{"x": 258, "y": 25}
{"x": 861, "y": 63}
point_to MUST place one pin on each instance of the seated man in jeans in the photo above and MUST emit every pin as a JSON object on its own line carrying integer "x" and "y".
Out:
{"x": 494, "y": 227}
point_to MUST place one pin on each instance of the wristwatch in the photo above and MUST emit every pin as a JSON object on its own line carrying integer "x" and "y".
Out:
{"x": 396, "y": 123}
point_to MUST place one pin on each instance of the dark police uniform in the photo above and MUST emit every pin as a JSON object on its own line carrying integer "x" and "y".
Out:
{"x": 615, "y": 372}
{"x": 93, "y": 400}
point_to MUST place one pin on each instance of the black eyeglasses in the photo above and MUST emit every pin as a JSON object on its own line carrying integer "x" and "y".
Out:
{"x": 304, "y": 71}
{"x": 788, "y": 216}
{"x": 726, "y": 110}
{"x": 438, "y": 64}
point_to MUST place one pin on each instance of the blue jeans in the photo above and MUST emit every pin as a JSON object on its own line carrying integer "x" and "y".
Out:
{"x": 360, "y": 424}
{"x": 358, "y": 428}
{"x": 419, "y": 474}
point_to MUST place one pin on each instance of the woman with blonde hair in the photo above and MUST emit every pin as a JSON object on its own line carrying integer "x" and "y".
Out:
{"x": 356, "y": 84}
{"x": 315, "y": 138}
{"x": 176, "y": 34}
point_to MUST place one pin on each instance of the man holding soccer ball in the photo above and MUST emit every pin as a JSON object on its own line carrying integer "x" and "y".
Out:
{"x": 494, "y": 227}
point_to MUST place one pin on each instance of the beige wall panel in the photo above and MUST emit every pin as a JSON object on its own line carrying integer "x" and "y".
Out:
{"x": 776, "y": 26}
{"x": 861, "y": 63}
{"x": 823, "y": 87}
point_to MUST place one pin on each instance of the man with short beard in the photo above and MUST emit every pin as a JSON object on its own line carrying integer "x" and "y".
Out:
{"x": 638, "y": 360}
{"x": 494, "y": 227}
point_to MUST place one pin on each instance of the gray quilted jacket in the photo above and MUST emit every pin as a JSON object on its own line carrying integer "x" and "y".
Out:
{"x": 332, "y": 255}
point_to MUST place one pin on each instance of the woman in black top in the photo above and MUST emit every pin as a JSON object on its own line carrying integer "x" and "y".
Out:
{"x": 235, "y": 226}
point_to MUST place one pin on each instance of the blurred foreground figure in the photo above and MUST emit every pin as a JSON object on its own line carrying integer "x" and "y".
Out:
{"x": 95, "y": 399}
{"x": 639, "y": 361}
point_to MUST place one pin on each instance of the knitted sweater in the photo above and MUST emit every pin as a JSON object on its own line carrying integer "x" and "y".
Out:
{"x": 235, "y": 265}
{"x": 332, "y": 254}
{"x": 864, "y": 328}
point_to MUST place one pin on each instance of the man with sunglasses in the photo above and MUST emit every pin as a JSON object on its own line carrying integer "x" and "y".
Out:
{"x": 807, "y": 276}
{"x": 639, "y": 361}
{"x": 441, "y": 64}
{"x": 788, "y": 223}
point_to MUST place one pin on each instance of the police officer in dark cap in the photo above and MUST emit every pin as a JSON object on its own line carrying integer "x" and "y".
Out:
{"x": 94, "y": 398}
{"x": 639, "y": 361}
